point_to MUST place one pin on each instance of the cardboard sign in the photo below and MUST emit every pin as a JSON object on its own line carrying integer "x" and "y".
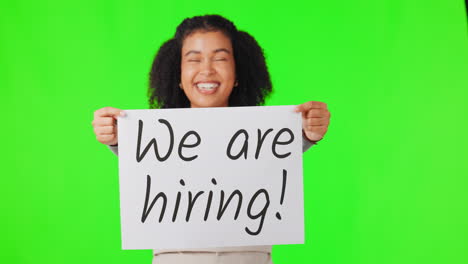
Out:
{"x": 210, "y": 177}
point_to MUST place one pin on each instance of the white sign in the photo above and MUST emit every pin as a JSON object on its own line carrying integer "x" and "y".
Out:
{"x": 211, "y": 177}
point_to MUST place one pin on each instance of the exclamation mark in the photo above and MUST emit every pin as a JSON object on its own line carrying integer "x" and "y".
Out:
{"x": 283, "y": 189}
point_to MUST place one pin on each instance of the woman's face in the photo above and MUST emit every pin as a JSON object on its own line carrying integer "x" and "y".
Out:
{"x": 208, "y": 70}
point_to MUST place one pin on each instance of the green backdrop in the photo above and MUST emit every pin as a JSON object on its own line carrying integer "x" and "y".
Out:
{"x": 388, "y": 184}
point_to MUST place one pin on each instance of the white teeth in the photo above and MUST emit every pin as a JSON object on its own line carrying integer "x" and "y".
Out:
{"x": 207, "y": 86}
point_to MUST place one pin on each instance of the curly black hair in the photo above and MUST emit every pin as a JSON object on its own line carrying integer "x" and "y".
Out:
{"x": 254, "y": 83}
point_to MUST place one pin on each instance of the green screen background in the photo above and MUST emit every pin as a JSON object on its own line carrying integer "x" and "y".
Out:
{"x": 388, "y": 184}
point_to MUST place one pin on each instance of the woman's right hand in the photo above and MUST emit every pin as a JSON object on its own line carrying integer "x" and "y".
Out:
{"x": 105, "y": 124}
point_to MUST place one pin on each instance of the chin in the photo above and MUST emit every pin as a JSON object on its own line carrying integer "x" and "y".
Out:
{"x": 209, "y": 104}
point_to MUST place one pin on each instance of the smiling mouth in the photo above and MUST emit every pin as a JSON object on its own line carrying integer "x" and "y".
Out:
{"x": 207, "y": 87}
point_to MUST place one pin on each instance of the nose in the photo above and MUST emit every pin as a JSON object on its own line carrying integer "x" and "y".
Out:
{"x": 207, "y": 68}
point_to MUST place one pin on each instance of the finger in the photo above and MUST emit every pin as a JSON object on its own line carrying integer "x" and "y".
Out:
{"x": 105, "y": 139}
{"x": 317, "y": 121}
{"x": 316, "y": 113}
{"x": 312, "y": 128}
{"x": 310, "y": 105}
{"x": 315, "y": 134}
{"x": 105, "y": 130}
{"x": 103, "y": 121}
{"x": 109, "y": 112}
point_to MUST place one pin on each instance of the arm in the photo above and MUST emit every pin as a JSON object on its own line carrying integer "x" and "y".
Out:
{"x": 306, "y": 144}
{"x": 115, "y": 149}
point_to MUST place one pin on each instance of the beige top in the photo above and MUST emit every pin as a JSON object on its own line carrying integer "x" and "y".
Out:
{"x": 306, "y": 144}
{"x": 263, "y": 249}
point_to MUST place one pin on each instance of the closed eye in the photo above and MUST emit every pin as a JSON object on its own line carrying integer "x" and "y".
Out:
{"x": 220, "y": 59}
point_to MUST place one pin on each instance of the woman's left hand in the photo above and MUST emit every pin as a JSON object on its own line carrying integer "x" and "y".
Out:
{"x": 315, "y": 119}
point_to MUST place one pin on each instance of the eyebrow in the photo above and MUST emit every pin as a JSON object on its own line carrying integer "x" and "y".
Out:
{"x": 215, "y": 51}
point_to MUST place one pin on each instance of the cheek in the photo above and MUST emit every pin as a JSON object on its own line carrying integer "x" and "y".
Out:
{"x": 228, "y": 72}
{"x": 187, "y": 74}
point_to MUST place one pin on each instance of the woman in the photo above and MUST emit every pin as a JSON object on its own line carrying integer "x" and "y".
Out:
{"x": 209, "y": 63}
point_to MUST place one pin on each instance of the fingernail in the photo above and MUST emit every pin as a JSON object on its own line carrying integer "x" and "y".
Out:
{"x": 122, "y": 113}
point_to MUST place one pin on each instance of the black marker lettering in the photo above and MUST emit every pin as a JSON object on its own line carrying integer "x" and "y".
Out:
{"x": 147, "y": 210}
{"x": 208, "y": 203}
{"x": 261, "y": 214}
{"x": 191, "y": 203}
{"x": 183, "y": 145}
{"x": 222, "y": 206}
{"x": 244, "y": 147}
{"x": 276, "y": 142}
{"x": 153, "y": 142}
{"x": 260, "y": 139}
{"x": 176, "y": 207}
